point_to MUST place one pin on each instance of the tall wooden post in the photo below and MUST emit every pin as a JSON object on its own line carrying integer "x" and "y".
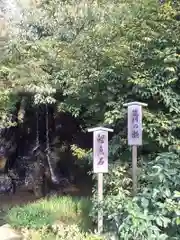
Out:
{"x": 100, "y": 199}
{"x": 134, "y": 169}
{"x": 134, "y": 135}
{"x": 100, "y": 163}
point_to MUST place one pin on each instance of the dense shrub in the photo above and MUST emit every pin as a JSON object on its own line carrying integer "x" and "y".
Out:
{"x": 154, "y": 213}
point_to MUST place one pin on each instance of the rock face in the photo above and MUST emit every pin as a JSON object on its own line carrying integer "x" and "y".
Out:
{"x": 6, "y": 184}
{"x": 7, "y": 233}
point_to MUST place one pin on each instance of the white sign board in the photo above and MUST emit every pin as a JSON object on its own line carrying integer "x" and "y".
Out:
{"x": 100, "y": 151}
{"x": 135, "y": 125}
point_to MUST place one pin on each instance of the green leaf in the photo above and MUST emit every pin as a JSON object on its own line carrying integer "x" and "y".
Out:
{"x": 144, "y": 202}
{"x": 159, "y": 222}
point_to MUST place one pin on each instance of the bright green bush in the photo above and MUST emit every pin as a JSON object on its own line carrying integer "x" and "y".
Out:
{"x": 45, "y": 212}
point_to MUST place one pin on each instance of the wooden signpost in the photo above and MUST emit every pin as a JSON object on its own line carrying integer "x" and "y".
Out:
{"x": 134, "y": 135}
{"x": 100, "y": 163}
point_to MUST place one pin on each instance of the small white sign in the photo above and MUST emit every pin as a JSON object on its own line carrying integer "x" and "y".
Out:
{"x": 100, "y": 151}
{"x": 135, "y": 125}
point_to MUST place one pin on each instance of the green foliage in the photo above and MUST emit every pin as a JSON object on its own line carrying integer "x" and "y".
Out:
{"x": 116, "y": 180}
{"x": 23, "y": 218}
{"x": 160, "y": 180}
{"x": 90, "y": 58}
{"x": 154, "y": 212}
{"x": 79, "y": 153}
{"x": 46, "y": 212}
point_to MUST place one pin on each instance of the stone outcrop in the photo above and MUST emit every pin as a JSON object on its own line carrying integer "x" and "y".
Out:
{"x": 8, "y": 233}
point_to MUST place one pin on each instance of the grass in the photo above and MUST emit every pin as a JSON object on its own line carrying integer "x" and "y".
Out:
{"x": 60, "y": 218}
{"x": 44, "y": 213}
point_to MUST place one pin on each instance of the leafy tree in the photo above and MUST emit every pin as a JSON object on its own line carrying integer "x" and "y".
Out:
{"x": 91, "y": 57}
